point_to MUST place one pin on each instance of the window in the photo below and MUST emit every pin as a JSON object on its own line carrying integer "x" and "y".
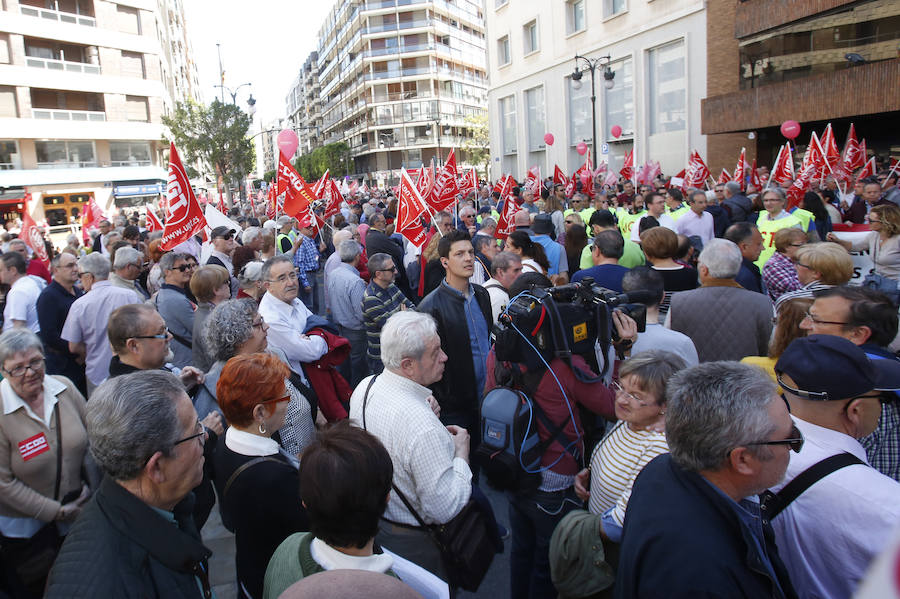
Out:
{"x": 619, "y": 101}
{"x": 129, "y": 153}
{"x": 580, "y": 111}
{"x": 4, "y": 48}
{"x": 613, "y": 7}
{"x": 503, "y": 56}
{"x": 530, "y": 35}
{"x": 9, "y": 155}
{"x": 534, "y": 107}
{"x": 133, "y": 64}
{"x": 65, "y": 154}
{"x": 8, "y": 102}
{"x": 574, "y": 16}
{"x": 499, "y": 3}
{"x": 508, "y": 114}
{"x": 129, "y": 19}
{"x": 667, "y": 88}
{"x": 136, "y": 109}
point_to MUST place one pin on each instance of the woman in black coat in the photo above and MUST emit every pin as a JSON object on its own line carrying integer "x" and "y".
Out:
{"x": 256, "y": 480}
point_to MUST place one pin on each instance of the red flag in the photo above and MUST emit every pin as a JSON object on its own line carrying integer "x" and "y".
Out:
{"x": 533, "y": 180}
{"x": 852, "y": 157}
{"x": 153, "y": 222}
{"x": 425, "y": 182}
{"x": 868, "y": 170}
{"x": 446, "y": 187}
{"x": 298, "y": 195}
{"x": 724, "y": 177}
{"x": 90, "y": 217}
{"x": 829, "y": 148}
{"x": 469, "y": 182}
{"x": 740, "y": 171}
{"x": 559, "y": 177}
{"x": 354, "y": 187}
{"x": 754, "y": 177}
{"x": 319, "y": 187}
{"x": 31, "y": 234}
{"x": 271, "y": 201}
{"x": 813, "y": 162}
{"x": 183, "y": 214}
{"x": 697, "y": 172}
{"x": 863, "y": 153}
{"x": 333, "y": 199}
{"x": 364, "y": 188}
{"x": 783, "y": 169}
{"x": 677, "y": 180}
{"x": 222, "y": 207}
{"x": 410, "y": 208}
{"x": 506, "y": 224}
{"x": 628, "y": 166}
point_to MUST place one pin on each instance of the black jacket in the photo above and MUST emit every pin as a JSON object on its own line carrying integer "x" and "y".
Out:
{"x": 749, "y": 277}
{"x": 739, "y": 208}
{"x": 377, "y": 243}
{"x": 121, "y": 547}
{"x": 456, "y": 391}
{"x": 682, "y": 538}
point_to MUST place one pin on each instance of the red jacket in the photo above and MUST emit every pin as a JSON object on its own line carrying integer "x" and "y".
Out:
{"x": 332, "y": 390}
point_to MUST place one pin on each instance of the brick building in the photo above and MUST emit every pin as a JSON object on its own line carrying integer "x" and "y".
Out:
{"x": 813, "y": 61}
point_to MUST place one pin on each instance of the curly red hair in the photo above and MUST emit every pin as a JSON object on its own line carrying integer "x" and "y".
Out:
{"x": 246, "y": 381}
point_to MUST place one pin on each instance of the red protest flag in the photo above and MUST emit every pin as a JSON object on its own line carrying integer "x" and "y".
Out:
{"x": 320, "y": 186}
{"x": 183, "y": 214}
{"x": 298, "y": 195}
{"x": 783, "y": 170}
{"x": 868, "y": 170}
{"x": 354, "y": 187}
{"x": 724, "y": 177}
{"x": 506, "y": 224}
{"x": 425, "y": 182}
{"x": 533, "y": 180}
{"x": 829, "y": 148}
{"x": 153, "y": 222}
{"x": 677, "y": 180}
{"x": 699, "y": 172}
{"x": 446, "y": 187}
{"x": 559, "y": 177}
{"x": 851, "y": 157}
{"x": 754, "y": 176}
{"x": 469, "y": 182}
{"x": 222, "y": 207}
{"x": 333, "y": 199}
{"x": 628, "y": 166}
{"x": 863, "y": 153}
{"x": 31, "y": 234}
{"x": 90, "y": 217}
{"x": 740, "y": 171}
{"x": 364, "y": 188}
{"x": 270, "y": 201}
{"x": 410, "y": 208}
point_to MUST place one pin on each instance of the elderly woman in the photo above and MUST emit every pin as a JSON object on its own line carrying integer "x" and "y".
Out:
{"x": 883, "y": 242}
{"x": 819, "y": 266}
{"x": 250, "y": 283}
{"x": 256, "y": 480}
{"x": 43, "y": 447}
{"x": 234, "y": 328}
{"x": 211, "y": 285}
{"x": 779, "y": 272}
{"x": 638, "y": 437}
{"x": 660, "y": 245}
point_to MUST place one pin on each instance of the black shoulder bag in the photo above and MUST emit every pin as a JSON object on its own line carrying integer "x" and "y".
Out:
{"x": 465, "y": 542}
{"x": 772, "y": 504}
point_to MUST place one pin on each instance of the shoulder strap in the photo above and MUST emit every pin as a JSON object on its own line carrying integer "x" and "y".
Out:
{"x": 59, "y": 450}
{"x": 243, "y": 467}
{"x": 774, "y": 503}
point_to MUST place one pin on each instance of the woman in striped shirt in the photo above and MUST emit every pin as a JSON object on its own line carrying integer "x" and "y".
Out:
{"x": 637, "y": 437}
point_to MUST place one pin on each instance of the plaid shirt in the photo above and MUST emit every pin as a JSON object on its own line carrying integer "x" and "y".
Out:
{"x": 306, "y": 258}
{"x": 780, "y": 276}
{"x": 883, "y": 445}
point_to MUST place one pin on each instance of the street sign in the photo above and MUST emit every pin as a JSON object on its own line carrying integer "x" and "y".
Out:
{"x": 604, "y": 148}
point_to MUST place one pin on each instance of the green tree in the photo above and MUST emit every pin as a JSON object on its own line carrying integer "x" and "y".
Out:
{"x": 477, "y": 144}
{"x": 331, "y": 157}
{"x": 216, "y": 135}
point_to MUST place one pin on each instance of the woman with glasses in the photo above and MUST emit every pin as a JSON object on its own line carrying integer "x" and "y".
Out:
{"x": 43, "y": 443}
{"x": 819, "y": 266}
{"x": 883, "y": 242}
{"x": 779, "y": 273}
{"x": 175, "y": 306}
{"x": 257, "y": 481}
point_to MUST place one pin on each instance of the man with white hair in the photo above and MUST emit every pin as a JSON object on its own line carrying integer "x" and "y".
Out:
{"x": 724, "y": 320}
{"x": 35, "y": 269}
{"x": 127, "y": 267}
{"x": 344, "y": 292}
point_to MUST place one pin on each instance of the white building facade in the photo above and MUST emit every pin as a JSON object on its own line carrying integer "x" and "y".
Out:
{"x": 657, "y": 52}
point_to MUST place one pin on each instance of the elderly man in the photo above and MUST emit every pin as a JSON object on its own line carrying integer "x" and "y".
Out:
{"x": 467, "y": 220}
{"x": 35, "y": 268}
{"x": 381, "y": 300}
{"x": 99, "y": 244}
{"x": 222, "y": 239}
{"x": 431, "y": 461}
{"x": 835, "y": 394}
{"x": 85, "y": 328}
{"x": 174, "y": 306}
{"x": 345, "y": 291}
{"x": 707, "y": 485}
{"x": 379, "y": 243}
{"x": 486, "y": 249}
{"x": 724, "y": 320}
{"x": 749, "y": 240}
{"x": 127, "y": 266}
{"x": 505, "y": 268}
{"x": 738, "y": 206}
{"x": 53, "y": 305}
{"x": 21, "y": 299}
{"x": 136, "y": 536}
{"x": 252, "y": 238}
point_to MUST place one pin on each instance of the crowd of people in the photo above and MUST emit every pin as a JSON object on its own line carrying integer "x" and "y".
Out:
{"x": 322, "y": 389}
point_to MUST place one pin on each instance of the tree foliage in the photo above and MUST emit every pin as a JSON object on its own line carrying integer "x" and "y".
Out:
{"x": 216, "y": 135}
{"x": 331, "y": 157}
{"x": 477, "y": 145}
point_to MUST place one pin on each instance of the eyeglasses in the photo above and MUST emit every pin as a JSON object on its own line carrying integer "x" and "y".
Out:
{"x": 392, "y": 269}
{"x": 806, "y": 266}
{"x": 258, "y": 324}
{"x": 795, "y": 441}
{"x": 35, "y": 365}
{"x": 291, "y": 274}
{"x": 619, "y": 390}
{"x": 809, "y": 315}
{"x": 874, "y": 222}
{"x": 164, "y": 335}
{"x": 277, "y": 399}
{"x": 201, "y": 434}
{"x": 184, "y": 267}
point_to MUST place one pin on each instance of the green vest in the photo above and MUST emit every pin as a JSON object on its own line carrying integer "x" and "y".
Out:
{"x": 804, "y": 216}
{"x": 768, "y": 228}
{"x": 678, "y": 213}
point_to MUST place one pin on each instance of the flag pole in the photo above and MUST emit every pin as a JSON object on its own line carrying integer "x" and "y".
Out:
{"x": 777, "y": 162}
{"x": 891, "y": 172}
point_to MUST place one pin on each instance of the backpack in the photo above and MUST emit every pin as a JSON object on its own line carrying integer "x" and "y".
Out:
{"x": 511, "y": 450}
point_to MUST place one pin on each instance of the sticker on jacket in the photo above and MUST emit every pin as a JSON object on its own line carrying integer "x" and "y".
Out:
{"x": 33, "y": 446}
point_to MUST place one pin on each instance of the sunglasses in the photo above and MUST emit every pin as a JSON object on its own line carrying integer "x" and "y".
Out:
{"x": 184, "y": 267}
{"x": 795, "y": 441}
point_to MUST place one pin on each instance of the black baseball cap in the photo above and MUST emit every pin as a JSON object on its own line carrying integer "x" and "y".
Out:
{"x": 221, "y": 231}
{"x": 828, "y": 367}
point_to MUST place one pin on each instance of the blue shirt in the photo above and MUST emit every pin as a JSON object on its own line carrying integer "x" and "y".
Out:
{"x": 605, "y": 275}
{"x": 479, "y": 337}
{"x": 553, "y": 251}
{"x": 306, "y": 259}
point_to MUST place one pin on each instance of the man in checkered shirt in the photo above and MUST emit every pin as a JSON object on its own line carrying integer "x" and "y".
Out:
{"x": 306, "y": 261}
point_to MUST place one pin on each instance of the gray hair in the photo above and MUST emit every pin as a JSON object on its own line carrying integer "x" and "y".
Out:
{"x": 72, "y": 239}
{"x": 379, "y": 261}
{"x": 269, "y": 264}
{"x": 15, "y": 340}
{"x": 405, "y": 335}
{"x": 349, "y": 250}
{"x": 480, "y": 241}
{"x": 341, "y": 236}
{"x": 503, "y": 261}
{"x": 131, "y": 417}
{"x": 714, "y": 407}
{"x": 169, "y": 259}
{"x": 488, "y": 222}
{"x": 18, "y": 242}
{"x": 251, "y": 234}
{"x": 228, "y": 327}
{"x": 653, "y": 368}
{"x": 127, "y": 256}
{"x": 97, "y": 264}
{"x": 777, "y": 191}
{"x": 722, "y": 258}
{"x": 733, "y": 187}
{"x": 610, "y": 243}
{"x": 466, "y": 210}
{"x": 250, "y": 273}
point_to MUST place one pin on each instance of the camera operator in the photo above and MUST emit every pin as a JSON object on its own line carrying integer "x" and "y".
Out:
{"x": 533, "y": 514}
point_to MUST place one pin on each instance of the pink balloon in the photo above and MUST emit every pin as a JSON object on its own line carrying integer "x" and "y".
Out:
{"x": 288, "y": 142}
{"x": 581, "y": 148}
{"x": 548, "y": 139}
{"x": 790, "y": 129}
{"x": 616, "y": 131}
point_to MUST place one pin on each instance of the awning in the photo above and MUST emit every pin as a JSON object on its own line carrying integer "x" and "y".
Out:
{"x": 135, "y": 189}
{"x": 12, "y": 196}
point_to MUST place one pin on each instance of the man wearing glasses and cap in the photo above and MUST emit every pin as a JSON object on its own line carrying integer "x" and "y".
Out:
{"x": 843, "y": 513}
{"x": 222, "y": 239}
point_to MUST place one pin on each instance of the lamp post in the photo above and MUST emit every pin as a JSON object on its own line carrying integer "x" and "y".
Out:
{"x": 609, "y": 76}
{"x": 387, "y": 142}
{"x": 437, "y": 123}
{"x": 233, "y": 93}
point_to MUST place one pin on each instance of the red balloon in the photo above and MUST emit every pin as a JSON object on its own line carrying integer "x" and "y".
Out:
{"x": 288, "y": 142}
{"x": 790, "y": 129}
{"x": 581, "y": 148}
{"x": 616, "y": 131}
{"x": 548, "y": 139}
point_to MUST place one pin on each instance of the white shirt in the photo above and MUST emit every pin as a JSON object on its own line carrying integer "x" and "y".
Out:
{"x": 21, "y": 304}
{"x": 249, "y": 444}
{"x": 656, "y": 336}
{"x": 499, "y": 297}
{"x": 286, "y": 325}
{"x": 691, "y": 224}
{"x": 664, "y": 221}
{"x": 830, "y": 534}
{"x": 426, "y": 471}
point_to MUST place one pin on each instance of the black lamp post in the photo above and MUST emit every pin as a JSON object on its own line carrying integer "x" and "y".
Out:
{"x": 609, "y": 76}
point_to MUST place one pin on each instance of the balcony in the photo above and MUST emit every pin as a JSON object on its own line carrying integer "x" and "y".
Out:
{"x": 398, "y": 73}
{"x": 68, "y": 115}
{"x": 57, "y": 15}
{"x": 65, "y": 164}
{"x": 63, "y": 65}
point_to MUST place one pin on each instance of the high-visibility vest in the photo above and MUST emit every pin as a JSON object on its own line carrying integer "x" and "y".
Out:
{"x": 677, "y": 213}
{"x": 278, "y": 239}
{"x": 768, "y": 228}
{"x": 627, "y": 221}
{"x": 804, "y": 216}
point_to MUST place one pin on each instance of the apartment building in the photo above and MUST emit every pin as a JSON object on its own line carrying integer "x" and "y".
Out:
{"x": 83, "y": 87}
{"x": 657, "y": 75}
{"x": 812, "y": 61}
{"x": 398, "y": 80}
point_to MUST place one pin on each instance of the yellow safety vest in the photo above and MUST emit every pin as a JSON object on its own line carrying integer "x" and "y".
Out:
{"x": 627, "y": 221}
{"x": 768, "y": 228}
{"x": 804, "y": 216}
{"x": 676, "y": 214}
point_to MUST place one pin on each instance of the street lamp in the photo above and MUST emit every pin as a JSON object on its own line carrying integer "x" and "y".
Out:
{"x": 387, "y": 142}
{"x": 233, "y": 93}
{"x": 609, "y": 81}
{"x": 437, "y": 123}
